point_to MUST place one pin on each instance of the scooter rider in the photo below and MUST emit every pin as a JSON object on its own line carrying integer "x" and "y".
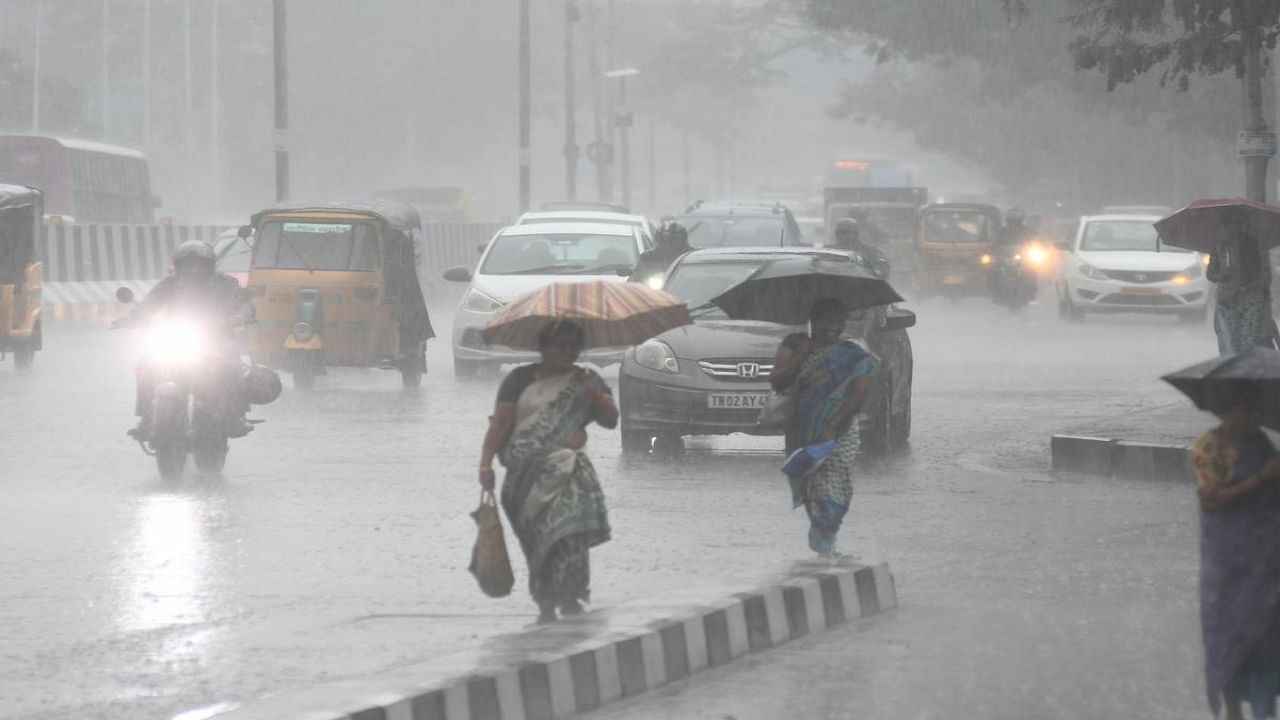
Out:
{"x": 197, "y": 290}
{"x": 672, "y": 241}
{"x": 848, "y": 237}
{"x": 1008, "y": 247}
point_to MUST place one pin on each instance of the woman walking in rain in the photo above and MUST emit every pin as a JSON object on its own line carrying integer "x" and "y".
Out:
{"x": 1237, "y": 470}
{"x": 550, "y": 494}
{"x": 1242, "y": 271}
{"x": 828, "y": 378}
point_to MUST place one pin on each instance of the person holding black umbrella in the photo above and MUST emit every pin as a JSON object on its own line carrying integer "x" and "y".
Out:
{"x": 828, "y": 378}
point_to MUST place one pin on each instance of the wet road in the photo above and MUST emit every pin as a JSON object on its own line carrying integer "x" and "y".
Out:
{"x": 338, "y": 540}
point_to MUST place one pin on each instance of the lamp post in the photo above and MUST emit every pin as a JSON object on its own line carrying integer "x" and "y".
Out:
{"x": 623, "y": 120}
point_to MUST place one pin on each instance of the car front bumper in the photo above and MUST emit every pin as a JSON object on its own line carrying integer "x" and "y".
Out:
{"x": 1158, "y": 297}
{"x": 661, "y": 403}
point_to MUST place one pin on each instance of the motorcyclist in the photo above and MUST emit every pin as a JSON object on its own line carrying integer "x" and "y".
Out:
{"x": 1009, "y": 243}
{"x": 672, "y": 242}
{"x": 1015, "y": 229}
{"x": 848, "y": 237}
{"x": 196, "y": 290}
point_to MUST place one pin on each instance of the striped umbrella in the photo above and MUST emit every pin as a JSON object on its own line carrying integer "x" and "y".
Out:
{"x": 613, "y": 314}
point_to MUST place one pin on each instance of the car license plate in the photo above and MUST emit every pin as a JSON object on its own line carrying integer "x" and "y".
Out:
{"x": 1140, "y": 291}
{"x": 953, "y": 280}
{"x": 737, "y": 401}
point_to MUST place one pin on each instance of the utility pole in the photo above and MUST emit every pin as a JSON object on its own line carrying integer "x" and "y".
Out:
{"x": 1257, "y": 142}
{"x": 282, "y": 100}
{"x": 215, "y": 160}
{"x": 106, "y": 68}
{"x": 653, "y": 165}
{"x": 146, "y": 74}
{"x": 623, "y": 120}
{"x": 35, "y": 68}
{"x": 523, "y": 62}
{"x": 189, "y": 103}
{"x": 571, "y": 16}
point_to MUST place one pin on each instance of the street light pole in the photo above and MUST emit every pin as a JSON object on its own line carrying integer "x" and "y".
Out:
{"x": 523, "y": 61}
{"x": 282, "y": 99}
{"x": 146, "y": 74}
{"x": 106, "y": 68}
{"x": 570, "y": 104}
{"x": 35, "y": 67}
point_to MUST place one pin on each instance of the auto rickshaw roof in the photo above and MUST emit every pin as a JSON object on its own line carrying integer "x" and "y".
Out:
{"x": 16, "y": 196}
{"x": 396, "y": 216}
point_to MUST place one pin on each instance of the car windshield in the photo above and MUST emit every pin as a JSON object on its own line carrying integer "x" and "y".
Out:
{"x": 955, "y": 227}
{"x": 1123, "y": 236}
{"x": 234, "y": 256}
{"x": 734, "y": 231}
{"x": 316, "y": 246}
{"x": 697, "y": 282}
{"x": 560, "y": 254}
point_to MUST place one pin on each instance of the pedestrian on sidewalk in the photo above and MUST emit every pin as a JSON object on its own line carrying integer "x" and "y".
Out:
{"x": 828, "y": 377}
{"x": 551, "y": 495}
{"x": 1238, "y": 474}
{"x": 1242, "y": 271}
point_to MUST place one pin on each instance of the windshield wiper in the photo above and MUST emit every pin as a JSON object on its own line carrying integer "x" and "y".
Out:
{"x": 548, "y": 270}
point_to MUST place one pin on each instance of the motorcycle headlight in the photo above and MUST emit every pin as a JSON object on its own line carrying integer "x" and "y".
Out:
{"x": 1036, "y": 255}
{"x": 986, "y": 259}
{"x": 175, "y": 343}
{"x": 303, "y": 331}
{"x": 657, "y": 355}
{"x": 655, "y": 282}
{"x": 479, "y": 302}
{"x": 1090, "y": 271}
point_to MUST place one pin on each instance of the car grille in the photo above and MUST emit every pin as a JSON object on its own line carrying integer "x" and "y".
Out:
{"x": 1139, "y": 276}
{"x": 737, "y": 369}
{"x": 1140, "y": 300}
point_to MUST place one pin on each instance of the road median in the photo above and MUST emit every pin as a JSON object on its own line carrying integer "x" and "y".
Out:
{"x": 579, "y": 664}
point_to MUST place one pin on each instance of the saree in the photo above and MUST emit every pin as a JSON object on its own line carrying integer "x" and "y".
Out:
{"x": 1244, "y": 320}
{"x": 824, "y": 382}
{"x": 1240, "y": 586}
{"x": 550, "y": 493}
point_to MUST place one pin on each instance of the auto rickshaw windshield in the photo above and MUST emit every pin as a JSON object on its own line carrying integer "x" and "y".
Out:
{"x": 956, "y": 227}
{"x": 295, "y": 245}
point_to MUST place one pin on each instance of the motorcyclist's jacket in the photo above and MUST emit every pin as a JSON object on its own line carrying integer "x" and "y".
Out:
{"x": 215, "y": 301}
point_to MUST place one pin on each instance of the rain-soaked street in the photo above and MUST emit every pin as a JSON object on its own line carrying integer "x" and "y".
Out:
{"x": 337, "y": 542}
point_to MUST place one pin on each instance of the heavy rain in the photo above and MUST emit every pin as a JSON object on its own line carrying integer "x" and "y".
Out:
{"x": 628, "y": 359}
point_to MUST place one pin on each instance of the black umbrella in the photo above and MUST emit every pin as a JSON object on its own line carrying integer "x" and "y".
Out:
{"x": 1216, "y": 385}
{"x": 783, "y": 291}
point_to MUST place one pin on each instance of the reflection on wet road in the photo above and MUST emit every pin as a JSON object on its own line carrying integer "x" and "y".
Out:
{"x": 337, "y": 542}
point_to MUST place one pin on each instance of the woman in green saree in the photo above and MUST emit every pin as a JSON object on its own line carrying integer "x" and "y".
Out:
{"x": 550, "y": 494}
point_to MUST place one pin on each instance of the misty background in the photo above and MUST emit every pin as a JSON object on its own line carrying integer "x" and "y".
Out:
{"x": 733, "y": 98}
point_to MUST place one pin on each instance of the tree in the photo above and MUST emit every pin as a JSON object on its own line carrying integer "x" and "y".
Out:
{"x": 1128, "y": 38}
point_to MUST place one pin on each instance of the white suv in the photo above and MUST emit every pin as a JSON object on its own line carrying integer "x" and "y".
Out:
{"x": 1116, "y": 263}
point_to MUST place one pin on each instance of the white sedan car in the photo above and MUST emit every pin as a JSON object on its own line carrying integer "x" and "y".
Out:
{"x": 523, "y": 258}
{"x": 589, "y": 216}
{"x": 1116, "y": 263}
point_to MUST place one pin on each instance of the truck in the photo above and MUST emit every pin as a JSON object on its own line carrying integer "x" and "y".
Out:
{"x": 886, "y": 210}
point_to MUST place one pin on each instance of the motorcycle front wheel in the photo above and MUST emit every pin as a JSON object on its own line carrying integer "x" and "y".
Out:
{"x": 171, "y": 459}
{"x": 210, "y": 454}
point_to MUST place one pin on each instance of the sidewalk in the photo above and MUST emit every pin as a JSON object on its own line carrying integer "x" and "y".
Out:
{"x": 1149, "y": 444}
{"x": 578, "y": 664}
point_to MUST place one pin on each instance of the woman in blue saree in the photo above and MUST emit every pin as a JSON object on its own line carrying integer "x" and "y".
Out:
{"x": 1237, "y": 470}
{"x": 828, "y": 377}
{"x": 551, "y": 495}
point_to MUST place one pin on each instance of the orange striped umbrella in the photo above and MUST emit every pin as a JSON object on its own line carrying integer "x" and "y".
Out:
{"x": 613, "y": 314}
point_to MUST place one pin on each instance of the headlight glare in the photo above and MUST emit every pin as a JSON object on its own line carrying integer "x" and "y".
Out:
{"x": 657, "y": 355}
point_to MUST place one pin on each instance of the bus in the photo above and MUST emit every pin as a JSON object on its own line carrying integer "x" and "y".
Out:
{"x": 82, "y": 181}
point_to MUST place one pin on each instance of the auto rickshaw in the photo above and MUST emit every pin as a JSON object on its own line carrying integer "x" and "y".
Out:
{"x": 21, "y": 272}
{"x": 951, "y": 249}
{"x": 338, "y": 284}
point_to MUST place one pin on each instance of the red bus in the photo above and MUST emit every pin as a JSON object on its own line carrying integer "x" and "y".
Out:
{"x": 82, "y": 181}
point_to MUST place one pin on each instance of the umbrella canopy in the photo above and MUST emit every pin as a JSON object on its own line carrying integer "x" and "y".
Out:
{"x": 1202, "y": 224}
{"x": 612, "y": 314}
{"x": 1215, "y": 385}
{"x": 783, "y": 291}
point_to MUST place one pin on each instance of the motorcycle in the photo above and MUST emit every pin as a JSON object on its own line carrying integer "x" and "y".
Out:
{"x": 1013, "y": 274}
{"x": 188, "y": 373}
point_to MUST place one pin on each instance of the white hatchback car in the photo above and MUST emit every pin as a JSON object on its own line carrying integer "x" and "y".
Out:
{"x": 1116, "y": 263}
{"x": 523, "y": 258}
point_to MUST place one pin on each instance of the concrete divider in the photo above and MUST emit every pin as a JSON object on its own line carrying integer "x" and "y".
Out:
{"x": 1107, "y": 457}
{"x": 578, "y": 664}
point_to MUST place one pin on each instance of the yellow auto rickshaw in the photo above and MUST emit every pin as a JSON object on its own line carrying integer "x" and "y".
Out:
{"x": 337, "y": 284}
{"x": 21, "y": 272}
{"x": 952, "y": 248}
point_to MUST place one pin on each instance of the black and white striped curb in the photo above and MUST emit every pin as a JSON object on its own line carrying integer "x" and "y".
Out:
{"x": 580, "y": 664}
{"x": 1121, "y": 459}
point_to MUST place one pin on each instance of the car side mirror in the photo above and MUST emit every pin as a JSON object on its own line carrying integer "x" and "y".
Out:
{"x": 624, "y": 271}
{"x": 897, "y": 319}
{"x": 245, "y": 231}
{"x": 124, "y": 295}
{"x": 457, "y": 274}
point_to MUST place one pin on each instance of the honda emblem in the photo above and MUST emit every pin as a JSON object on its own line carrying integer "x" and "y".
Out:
{"x": 749, "y": 371}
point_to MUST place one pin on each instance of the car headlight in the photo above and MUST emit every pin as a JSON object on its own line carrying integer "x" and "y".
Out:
{"x": 1090, "y": 271}
{"x": 657, "y": 355}
{"x": 479, "y": 302}
{"x": 1193, "y": 272}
